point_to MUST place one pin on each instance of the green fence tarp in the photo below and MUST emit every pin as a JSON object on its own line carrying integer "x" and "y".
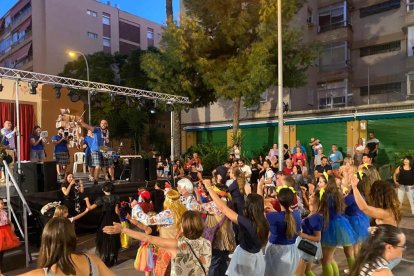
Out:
{"x": 328, "y": 134}
{"x": 215, "y": 137}
{"x": 395, "y": 135}
{"x": 255, "y": 138}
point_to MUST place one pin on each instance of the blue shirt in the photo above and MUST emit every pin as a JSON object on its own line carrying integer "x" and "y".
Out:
{"x": 97, "y": 140}
{"x": 38, "y": 146}
{"x": 352, "y": 208}
{"x": 62, "y": 146}
{"x": 335, "y": 156}
{"x": 278, "y": 227}
{"x": 312, "y": 224}
{"x": 88, "y": 141}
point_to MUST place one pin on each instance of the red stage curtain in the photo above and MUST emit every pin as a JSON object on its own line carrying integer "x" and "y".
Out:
{"x": 5, "y": 112}
{"x": 26, "y": 126}
{"x": 27, "y": 122}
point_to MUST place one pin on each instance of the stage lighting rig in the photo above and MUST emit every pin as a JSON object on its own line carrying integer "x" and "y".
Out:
{"x": 57, "y": 89}
{"x": 73, "y": 96}
{"x": 93, "y": 95}
{"x": 33, "y": 87}
{"x": 112, "y": 97}
{"x": 1, "y": 85}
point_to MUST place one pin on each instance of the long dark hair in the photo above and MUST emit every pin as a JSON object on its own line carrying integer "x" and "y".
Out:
{"x": 331, "y": 196}
{"x": 383, "y": 196}
{"x": 58, "y": 243}
{"x": 285, "y": 197}
{"x": 374, "y": 246}
{"x": 254, "y": 211}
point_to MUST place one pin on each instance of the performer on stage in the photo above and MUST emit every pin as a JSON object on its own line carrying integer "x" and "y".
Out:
{"x": 8, "y": 143}
{"x": 102, "y": 137}
{"x": 61, "y": 152}
{"x": 37, "y": 149}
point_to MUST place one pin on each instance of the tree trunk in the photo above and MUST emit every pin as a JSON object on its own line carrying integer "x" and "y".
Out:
{"x": 169, "y": 11}
{"x": 236, "y": 115}
{"x": 177, "y": 134}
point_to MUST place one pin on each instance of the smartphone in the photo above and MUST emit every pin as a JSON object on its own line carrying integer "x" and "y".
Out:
{"x": 44, "y": 134}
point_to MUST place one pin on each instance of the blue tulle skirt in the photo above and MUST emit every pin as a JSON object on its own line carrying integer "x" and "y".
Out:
{"x": 360, "y": 225}
{"x": 338, "y": 232}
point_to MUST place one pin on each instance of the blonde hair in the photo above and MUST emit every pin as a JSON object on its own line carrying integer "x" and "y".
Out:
{"x": 60, "y": 211}
{"x": 172, "y": 203}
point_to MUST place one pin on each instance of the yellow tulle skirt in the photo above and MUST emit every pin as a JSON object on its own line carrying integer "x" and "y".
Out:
{"x": 125, "y": 240}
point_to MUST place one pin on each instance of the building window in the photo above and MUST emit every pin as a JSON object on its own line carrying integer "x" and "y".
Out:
{"x": 410, "y": 5}
{"x": 106, "y": 20}
{"x": 410, "y": 41}
{"x": 333, "y": 94}
{"x": 7, "y": 21}
{"x": 333, "y": 17}
{"x": 334, "y": 57}
{"x": 92, "y": 13}
{"x": 92, "y": 35}
{"x": 394, "y": 87}
{"x": 106, "y": 42}
{"x": 378, "y": 8}
{"x": 381, "y": 48}
{"x": 150, "y": 37}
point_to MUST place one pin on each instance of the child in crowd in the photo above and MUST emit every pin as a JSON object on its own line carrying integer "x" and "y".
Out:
{"x": 8, "y": 238}
{"x": 247, "y": 258}
{"x": 311, "y": 232}
{"x": 337, "y": 230}
{"x": 282, "y": 255}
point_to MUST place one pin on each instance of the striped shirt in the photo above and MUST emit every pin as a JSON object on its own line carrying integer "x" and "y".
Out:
{"x": 371, "y": 267}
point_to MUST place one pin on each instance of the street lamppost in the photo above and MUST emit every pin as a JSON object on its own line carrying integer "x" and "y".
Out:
{"x": 73, "y": 54}
{"x": 280, "y": 79}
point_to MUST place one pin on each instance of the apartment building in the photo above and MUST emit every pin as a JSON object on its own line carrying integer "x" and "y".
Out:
{"x": 35, "y": 35}
{"x": 364, "y": 75}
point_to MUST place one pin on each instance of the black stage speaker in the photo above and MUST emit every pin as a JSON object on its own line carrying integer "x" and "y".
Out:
{"x": 28, "y": 183}
{"x": 137, "y": 170}
{"x": 150, "y": 169}
{"x": 48, "y": 177}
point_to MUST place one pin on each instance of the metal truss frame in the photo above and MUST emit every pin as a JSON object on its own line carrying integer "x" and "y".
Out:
{"x": 27, "y": 76}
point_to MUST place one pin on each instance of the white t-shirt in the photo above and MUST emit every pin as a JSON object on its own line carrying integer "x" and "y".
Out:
{"x": 269, "y": 175}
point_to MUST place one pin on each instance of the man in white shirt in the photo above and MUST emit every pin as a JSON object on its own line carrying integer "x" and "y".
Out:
{"x": 8, "y": 142}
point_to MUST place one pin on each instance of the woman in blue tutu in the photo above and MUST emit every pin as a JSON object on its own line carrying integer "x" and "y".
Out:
{"x": 358, "y": 220}
{"x": 311, "y": 232}
{"x": 282, "y": 255}
{"x": 337, "y": 230}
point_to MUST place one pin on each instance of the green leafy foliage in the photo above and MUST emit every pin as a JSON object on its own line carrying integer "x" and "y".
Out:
{"x": 211, "y": 155}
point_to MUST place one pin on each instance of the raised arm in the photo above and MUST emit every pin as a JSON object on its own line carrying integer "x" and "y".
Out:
{"x": 85, "y": 125}
{"x": 169, "y": 244}
{"x": 221, "y": 205}
{"x": 79, "y": 215}
{"x": 373, "y": 212}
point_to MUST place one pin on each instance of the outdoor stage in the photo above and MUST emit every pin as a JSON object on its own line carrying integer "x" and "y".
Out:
{"x": 124, "y": 189}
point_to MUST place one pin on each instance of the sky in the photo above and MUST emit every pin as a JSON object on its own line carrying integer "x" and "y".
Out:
{"x": 153, "y": 10}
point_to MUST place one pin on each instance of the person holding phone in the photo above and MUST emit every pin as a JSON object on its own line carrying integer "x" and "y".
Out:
{"x": 37, "y": 149}
{"x": 61, "y": 153}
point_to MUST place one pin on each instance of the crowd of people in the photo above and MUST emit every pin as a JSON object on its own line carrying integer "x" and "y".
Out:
{"x": 256, "y": 220}
{"x": 249, "y": 218}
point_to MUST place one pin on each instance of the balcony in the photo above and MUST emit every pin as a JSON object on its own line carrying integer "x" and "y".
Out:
{"x": 11, "y": 49}
{"x": 23, "y": 15}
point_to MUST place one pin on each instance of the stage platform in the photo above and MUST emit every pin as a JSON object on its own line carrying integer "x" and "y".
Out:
{"x": 124, "y": 189}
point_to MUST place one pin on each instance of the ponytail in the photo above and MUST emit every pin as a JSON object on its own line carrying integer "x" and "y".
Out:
{"x": 285, "y": 197}
{"x": 290, "y": 224}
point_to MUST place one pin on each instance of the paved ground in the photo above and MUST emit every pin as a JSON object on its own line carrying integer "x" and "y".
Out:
{"x": 126, "y": 258}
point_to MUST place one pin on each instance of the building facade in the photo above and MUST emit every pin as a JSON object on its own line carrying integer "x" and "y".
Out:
{"x": 36, "y": 35}
{"x": 365, "y": 68}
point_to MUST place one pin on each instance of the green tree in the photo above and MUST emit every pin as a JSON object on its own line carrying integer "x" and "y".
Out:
{"x": 127, "y": 119}
{"x": 233, "y": 44}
